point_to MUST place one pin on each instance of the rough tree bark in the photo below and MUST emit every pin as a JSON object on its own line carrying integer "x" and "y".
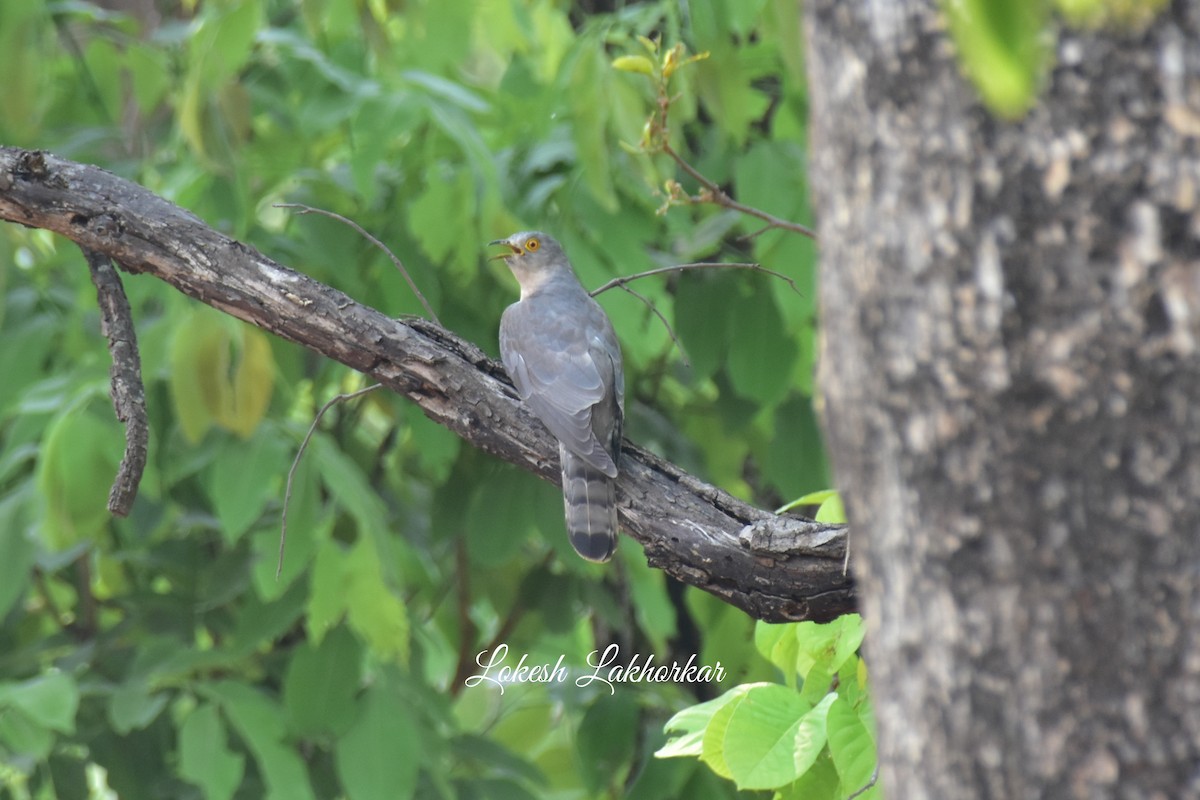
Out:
{"x": 1011, "y": 321}
{"x": 774, "y": 568}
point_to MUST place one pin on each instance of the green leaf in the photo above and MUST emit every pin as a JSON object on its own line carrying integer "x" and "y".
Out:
{"x": 1002, "y": 47}
{"x": 378, "y": 758}
{"x": 24, "y": 354}
{"x": 765, "y": 744}
{"x": 795, "y": 459}
{"x": 819, "y": 782}
{"x": 204, "y": 755}
{"x": 133, "y": 706}
{"x": 349, "y": 486}
{"x": 652, "y": 607}
{"x": 76, "y": 467}
{"x": 199, "y": 370}
{"x": 778, "y": 644}
{"x": 761, "y": 353}
{"x": 243, "y": 478}
{"x": 852, "y": 747}
{"x": 50, "y": 700}
{"x": 321, "y": 683}
{"x": 434, "y": 446}
{"x": 327, "y": 596}
{"x": 799, "y": 647}
{"x": 222, "y": 372}
{"x": 17, "y": 548}
{"x": 259, "y": 722}
{"x": 702, "y": 319}
{"x": 832, "y": 511}
{"x": 500, "y": 516}
{"x": 221, "y": 42}
{"x": 21, "y": 735}
{"x": 605, "y": 741}
{"x": 713, "y": 743}
{"x": 588, "y": 95}
{"x": 25, "y": 35}
{"x": 693, "y": 721}
{"x": 372, "y": 609}
{"x": 436, "y": 217}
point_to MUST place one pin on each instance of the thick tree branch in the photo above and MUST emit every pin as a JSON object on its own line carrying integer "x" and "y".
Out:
{"x": 783, "y": 568}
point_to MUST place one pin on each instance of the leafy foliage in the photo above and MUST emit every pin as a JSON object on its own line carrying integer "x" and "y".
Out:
{"x": 158, "y": 655}
{"x": 812, "y": 738}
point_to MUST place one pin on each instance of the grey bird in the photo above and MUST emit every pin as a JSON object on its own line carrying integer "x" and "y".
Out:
{"x": 563, "y": 356}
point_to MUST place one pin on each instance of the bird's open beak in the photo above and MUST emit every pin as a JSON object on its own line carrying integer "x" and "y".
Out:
{"x": 513, "y": 249}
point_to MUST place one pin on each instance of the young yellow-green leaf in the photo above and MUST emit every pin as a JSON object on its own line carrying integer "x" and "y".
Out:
{"x": 221, "y": 41}
{"x": 1002, "y": 48}
{"x": 714, "y": 742}
{"x": 253, "y": 382}
{"x": 829, "y": 644}
{"x": 777, "y": 643}
{"x": 693, "y": 721}
{"x": 204, "y": 755}
{"x": 327, "y": 595}
{"x": 199, "y": 371}
{"x": 634, "y": 64}
{"x": 372, "y": 609}
{"x": 799, "y": 647}
{"x": 852, "y": 747}
{"x": 832, "y": 511}
{"x": 773, "y": 736}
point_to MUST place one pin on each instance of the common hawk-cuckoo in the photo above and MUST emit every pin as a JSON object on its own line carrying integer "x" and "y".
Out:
{"x": 562, "y": 354}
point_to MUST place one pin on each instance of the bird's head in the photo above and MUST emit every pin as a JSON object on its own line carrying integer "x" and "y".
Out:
{"x": 533, "y": 257}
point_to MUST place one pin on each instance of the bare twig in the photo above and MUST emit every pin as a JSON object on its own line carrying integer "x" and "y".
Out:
{"x": 303, "y": 209}
{"x": 624, "y": 279}
{"x": 125, "y": 375}
{"x": 670, "y": 331}
{"x": 715, "y": 194}
{"x": 287, "y": 494}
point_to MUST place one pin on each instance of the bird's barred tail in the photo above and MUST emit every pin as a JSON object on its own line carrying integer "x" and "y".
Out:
{"x": 590, "y": 501}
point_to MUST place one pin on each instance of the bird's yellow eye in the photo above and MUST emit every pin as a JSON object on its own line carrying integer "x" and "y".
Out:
{"x": 532, "y": 245}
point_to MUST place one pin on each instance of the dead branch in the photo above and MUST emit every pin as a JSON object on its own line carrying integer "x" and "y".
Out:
{"x": 785, "y": 568}
{"x": 125, "y": 375}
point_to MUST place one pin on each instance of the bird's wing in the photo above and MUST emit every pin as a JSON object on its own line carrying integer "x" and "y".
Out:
{"x": 562, "y": 369}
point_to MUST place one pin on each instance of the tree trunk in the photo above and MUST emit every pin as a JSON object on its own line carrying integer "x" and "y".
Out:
{"x": 1010, "y": 327}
